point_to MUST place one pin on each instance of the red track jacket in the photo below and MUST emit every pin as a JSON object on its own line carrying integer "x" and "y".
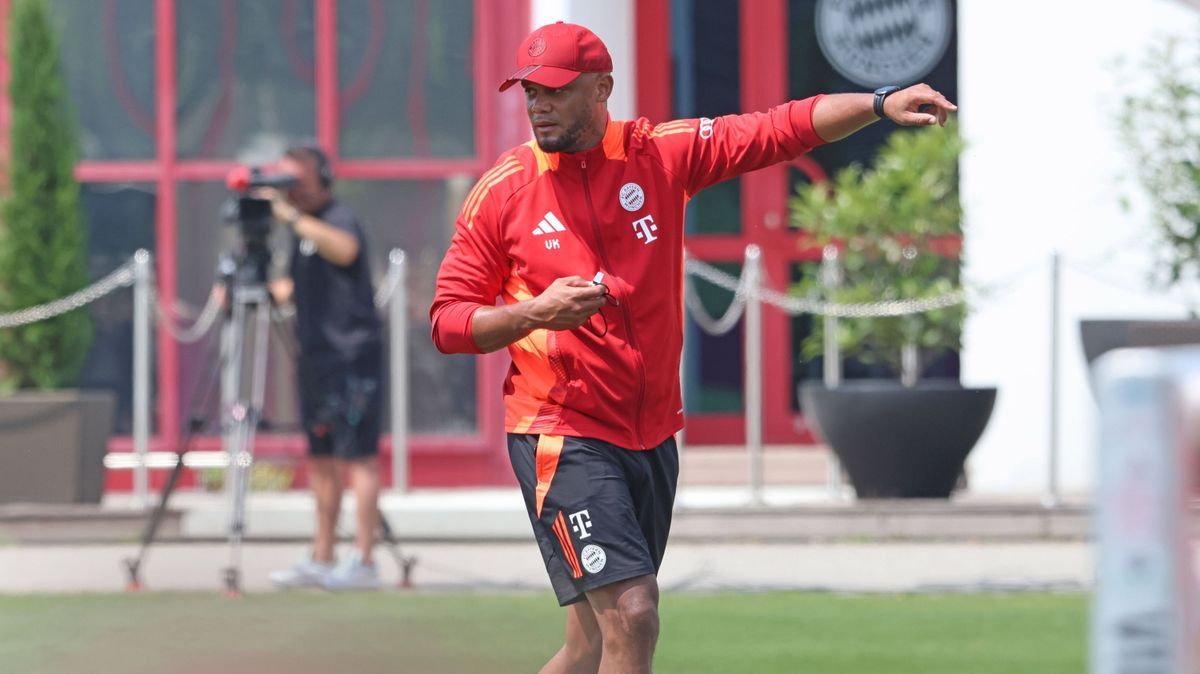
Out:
{"x": 618, "y": 209}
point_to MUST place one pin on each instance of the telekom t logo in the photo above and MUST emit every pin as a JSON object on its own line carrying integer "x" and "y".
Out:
{"x": 581, "y": 523}
{"x": 645, "y": 229}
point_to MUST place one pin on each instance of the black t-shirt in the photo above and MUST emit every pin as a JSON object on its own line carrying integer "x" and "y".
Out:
{"x": 335, "y": 306}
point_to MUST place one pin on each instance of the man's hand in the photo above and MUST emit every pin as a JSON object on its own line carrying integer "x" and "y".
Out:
{"x": 282, "y": 290}
{"x": 568, "y": 303}
{"x": 282, "y": 210}
{"x": 918, "y": 105}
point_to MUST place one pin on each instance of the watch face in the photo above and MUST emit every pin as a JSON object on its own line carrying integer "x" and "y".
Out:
{"x": 874, "y": 43}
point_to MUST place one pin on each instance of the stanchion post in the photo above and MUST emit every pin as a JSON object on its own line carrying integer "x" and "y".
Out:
{"x": 752, "y": 351}
{"x": 831, "y": 277}
{"x": 143, "y": 311}
{"x": 398, "y": 362}
{"x": 1052, "y": 497}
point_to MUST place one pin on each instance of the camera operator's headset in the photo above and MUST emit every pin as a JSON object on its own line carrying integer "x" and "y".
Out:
{"x": 324, "y": 169}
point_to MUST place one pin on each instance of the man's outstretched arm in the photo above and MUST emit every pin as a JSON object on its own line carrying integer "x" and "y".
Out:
{"x": 836, "y": 116}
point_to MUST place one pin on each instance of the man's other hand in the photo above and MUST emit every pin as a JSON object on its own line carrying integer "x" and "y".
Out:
{"x": 282, "y": 210}
{"x": 918, "y": 105}
{"x": 568, "y": 303}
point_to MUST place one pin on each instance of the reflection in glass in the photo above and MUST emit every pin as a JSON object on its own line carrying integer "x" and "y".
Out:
{"x": 405, "y": 78}
{"x": 107, "y": 52}
{"x": 245, "y": 77}
{"x": 714, "y": 381}
{"x": 120, "y": 220}
{"x": 705, "y": 43}
{"x": 418, "y": 217}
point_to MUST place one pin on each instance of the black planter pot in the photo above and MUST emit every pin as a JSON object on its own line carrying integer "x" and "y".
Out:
{"x": 898, "y": 442}
{"x": 52, "y": 445}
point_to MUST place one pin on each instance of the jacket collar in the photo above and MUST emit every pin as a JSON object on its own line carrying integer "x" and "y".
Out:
{"x": 611, "y": 146}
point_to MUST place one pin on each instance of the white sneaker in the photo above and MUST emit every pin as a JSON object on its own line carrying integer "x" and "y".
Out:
{"x": 352, "y": 574}
{"x": 308, "y": 573}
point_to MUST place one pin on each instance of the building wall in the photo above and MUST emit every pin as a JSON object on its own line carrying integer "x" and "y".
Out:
{"x": 1039, "y": 91}
{"x": 612, "y": 21}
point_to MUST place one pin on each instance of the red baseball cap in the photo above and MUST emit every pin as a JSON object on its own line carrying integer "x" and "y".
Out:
{"x": 554, "y": 55}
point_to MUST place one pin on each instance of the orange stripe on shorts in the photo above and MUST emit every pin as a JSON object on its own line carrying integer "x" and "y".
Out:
{"x": 549, "y": 447}
{"x": 564, "y": 539}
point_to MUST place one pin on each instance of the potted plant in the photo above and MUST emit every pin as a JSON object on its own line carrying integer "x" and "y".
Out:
{"x": 896, "y": 229}
{"x": 52, "y": 441}
{"x": 1160, "y": 130}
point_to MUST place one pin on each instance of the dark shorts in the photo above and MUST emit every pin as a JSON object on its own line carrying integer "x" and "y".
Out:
{"x": 600, "y": 513}
{"x": 341, "y": 405}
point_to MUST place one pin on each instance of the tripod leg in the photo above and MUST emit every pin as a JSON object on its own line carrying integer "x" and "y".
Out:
{"x": 245, "y": 415}
{"x": 133, "y": 565}
{"x": 405, "y": 564}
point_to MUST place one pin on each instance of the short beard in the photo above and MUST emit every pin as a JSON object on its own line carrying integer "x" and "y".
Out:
{"x": 569, "y": 141}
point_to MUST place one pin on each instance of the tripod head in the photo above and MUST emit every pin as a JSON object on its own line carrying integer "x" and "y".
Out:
{"x": 248, "y": 262}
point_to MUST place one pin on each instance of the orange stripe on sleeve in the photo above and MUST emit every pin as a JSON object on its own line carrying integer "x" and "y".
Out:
{"x": 485, "y": 181}
{"x": 671, "y": 125}
{"x": 549, "y": 447}
{"x": 475, "y": 189}
{"x": 488, "y": 188}
{"x": 668, "y": 132}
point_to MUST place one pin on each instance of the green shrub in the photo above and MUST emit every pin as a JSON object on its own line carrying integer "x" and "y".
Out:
{"x": 1160, "y": 129}
{"x": 888, "y": 223}
{"x": 43, "y": 246}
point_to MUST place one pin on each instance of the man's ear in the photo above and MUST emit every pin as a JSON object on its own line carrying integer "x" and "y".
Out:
{"x": 604, "y": 87}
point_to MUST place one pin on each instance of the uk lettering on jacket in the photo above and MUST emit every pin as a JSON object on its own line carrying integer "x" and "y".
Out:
{"x": 618, "y": 209}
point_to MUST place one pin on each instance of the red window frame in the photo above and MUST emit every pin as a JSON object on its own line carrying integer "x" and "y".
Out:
{"x": 764, "y": 195}
{"x": 478, "y": 458}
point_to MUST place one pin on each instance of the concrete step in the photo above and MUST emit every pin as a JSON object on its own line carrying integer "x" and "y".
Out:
{"x": 78, "y": 523}
{"x": 711, "y": 514}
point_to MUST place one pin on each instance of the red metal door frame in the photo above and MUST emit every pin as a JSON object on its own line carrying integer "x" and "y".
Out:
{"x": 764, "y": 194}
{"x": 478, "y": 458}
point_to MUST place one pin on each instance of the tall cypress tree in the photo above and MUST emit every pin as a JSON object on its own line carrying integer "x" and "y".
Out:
{"x": 43, "y": 247}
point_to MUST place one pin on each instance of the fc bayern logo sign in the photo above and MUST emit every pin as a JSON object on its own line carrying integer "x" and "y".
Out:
{"x": 878, "y": 42}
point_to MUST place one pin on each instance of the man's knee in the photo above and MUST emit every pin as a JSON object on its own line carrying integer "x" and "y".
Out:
{"x": 637, "y": 614}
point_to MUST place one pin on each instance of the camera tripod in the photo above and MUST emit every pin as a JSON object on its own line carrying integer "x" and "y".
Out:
{"x": 243, "y": 375}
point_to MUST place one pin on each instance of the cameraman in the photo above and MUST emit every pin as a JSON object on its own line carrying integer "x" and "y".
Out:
{"x": 339, "y": 366}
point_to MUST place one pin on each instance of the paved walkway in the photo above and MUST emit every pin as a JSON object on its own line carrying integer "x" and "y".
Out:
{"x": 848, "y": 567}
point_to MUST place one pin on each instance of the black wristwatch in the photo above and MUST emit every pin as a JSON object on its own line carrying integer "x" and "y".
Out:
{"x": 880, "y": 94}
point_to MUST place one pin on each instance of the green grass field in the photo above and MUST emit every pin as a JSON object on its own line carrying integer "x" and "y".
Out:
{"x": 311, "y": 633}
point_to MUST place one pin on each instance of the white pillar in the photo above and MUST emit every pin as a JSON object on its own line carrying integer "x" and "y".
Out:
{"x": 613, "y": 22}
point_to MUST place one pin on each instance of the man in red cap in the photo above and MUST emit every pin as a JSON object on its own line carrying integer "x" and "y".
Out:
{"x": 580, "y": 231}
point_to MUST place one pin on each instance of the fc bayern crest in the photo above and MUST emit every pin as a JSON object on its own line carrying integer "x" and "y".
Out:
{"x": 878, "y": 42}
{"x": 594, "y": 558}
{"x": 632, "y": 197}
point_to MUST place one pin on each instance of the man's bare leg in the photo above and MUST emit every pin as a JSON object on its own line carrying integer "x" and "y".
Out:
{"x": 627, "y": 613}
{"x": 580, "y": 653}
{"x": 364, "y": 481}
{"x": 327, "y": 487}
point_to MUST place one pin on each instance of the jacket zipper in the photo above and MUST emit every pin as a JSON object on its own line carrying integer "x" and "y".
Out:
{"x": 637, "y": 353}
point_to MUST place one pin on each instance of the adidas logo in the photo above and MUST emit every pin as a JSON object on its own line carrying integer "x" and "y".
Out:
{"x": 549, "y": 225}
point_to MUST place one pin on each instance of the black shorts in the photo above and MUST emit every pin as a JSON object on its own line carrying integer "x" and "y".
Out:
{"x": 341, "y": 405}
{"x": 600, "y": 513}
